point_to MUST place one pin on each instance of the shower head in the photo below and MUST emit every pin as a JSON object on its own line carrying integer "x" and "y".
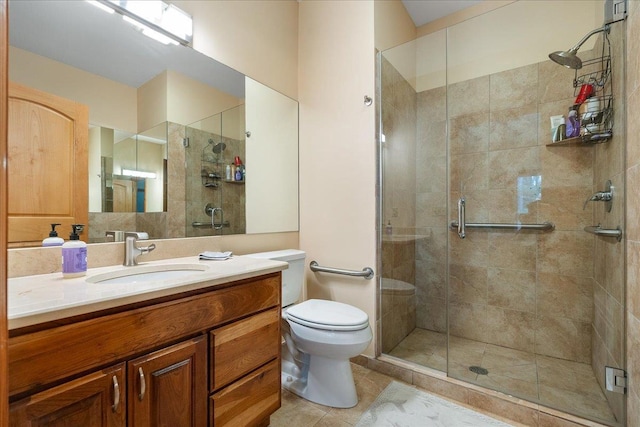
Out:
{"x": 568, "y": 58}
{"x": 219, "y": 147}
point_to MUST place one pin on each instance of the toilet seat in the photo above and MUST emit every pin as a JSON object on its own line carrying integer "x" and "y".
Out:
{"x": 328, "y": 315}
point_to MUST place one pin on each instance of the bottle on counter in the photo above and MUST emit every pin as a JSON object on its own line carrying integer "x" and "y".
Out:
{"x": 74, "y": 255}
{"x": 53, "y": 239}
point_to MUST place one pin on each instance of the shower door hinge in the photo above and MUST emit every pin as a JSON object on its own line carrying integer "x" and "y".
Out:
{"x": 185, "y": 142}
{"x": 615, "y": 380}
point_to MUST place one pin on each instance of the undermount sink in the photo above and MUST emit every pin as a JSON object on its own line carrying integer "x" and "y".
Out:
{"x": 148, "y": 273}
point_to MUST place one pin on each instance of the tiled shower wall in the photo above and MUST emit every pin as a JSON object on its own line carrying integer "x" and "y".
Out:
{"x": 398, "y": 202}
{"x": 531, "y": 291}
{"x": 607, "y": 338}
{"x": 229, "y": 196}
{"x": 632, "y": 167}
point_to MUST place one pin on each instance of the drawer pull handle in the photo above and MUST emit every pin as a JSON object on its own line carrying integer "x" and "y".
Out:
{"x": 116, "y": 394}
{"x": 143, "y": 384}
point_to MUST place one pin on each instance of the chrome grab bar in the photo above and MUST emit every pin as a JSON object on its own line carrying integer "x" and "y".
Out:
{"x": 461, "y": 221}
{"x": 599, "y": 231}
{"x": 198, "y": 224}
{"x": 366, "y": 272}
{"x": 545, "y": 226}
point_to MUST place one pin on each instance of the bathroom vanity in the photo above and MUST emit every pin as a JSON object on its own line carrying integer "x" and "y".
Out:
{"x": 203, "y": 349}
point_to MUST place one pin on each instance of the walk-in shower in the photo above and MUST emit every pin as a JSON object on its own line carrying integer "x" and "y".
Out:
{"x": 490, "y": 268}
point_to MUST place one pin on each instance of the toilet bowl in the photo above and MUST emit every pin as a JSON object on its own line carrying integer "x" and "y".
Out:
{"x": 319, "y": 338}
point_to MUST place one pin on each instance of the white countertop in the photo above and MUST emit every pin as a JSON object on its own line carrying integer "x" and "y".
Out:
{"x": 47, "y": 297}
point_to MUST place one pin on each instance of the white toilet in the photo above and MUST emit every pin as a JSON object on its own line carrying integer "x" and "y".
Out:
{"x": 319, "y": 338}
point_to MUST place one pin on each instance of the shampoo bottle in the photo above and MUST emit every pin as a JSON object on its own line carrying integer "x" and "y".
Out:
{"x": 53, "y": 239}
{"x": 74, "y": 255}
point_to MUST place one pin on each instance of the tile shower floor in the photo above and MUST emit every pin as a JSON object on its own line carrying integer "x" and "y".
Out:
{"x": 552, "y": 382}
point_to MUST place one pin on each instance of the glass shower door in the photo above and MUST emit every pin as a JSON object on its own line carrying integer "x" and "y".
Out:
{"x": 520, "y": 306}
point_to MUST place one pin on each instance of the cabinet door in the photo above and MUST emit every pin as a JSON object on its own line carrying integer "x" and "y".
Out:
{"x": 95, "y": 400}
{"x": 169, "y": 387}
{"x": 47, "y": 169}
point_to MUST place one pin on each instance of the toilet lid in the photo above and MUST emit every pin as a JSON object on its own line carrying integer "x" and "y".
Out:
{"x": 328, "y": 315}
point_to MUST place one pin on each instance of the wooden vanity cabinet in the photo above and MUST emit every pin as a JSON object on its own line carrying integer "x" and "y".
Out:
{"x": 95, "y": 400}
{"x": 169, "y": 387}
{"x": 206, "y": 359}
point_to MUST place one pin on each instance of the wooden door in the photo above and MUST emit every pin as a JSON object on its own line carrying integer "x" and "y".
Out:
{"x": 96, "y": 400}
{"x": 48, "y": 169}
{"x": 169, "y": 387}
{"x": 124, "y": 195}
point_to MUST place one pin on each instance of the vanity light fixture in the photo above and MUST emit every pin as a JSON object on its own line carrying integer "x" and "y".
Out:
{"x": 156, "y": 19}
{"x": 138, "y": 174}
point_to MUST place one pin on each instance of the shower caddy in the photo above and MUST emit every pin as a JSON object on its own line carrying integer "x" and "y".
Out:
{"x": 596, "y": 125}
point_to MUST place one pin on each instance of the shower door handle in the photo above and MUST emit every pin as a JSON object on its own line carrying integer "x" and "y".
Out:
{"x": 461, "y": 219}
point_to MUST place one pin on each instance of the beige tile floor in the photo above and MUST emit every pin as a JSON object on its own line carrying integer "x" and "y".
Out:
{"x": 297, "y": 412}
{"x": 561, "y": 384}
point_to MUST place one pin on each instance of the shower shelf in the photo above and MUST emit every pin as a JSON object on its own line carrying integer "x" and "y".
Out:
{"x": 596, "y": 125}
{"x": 591, "y": 139}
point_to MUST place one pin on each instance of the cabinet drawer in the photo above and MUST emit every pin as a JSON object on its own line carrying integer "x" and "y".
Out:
{"x": 243, "y": 346}
{"x": 250, "y": 401}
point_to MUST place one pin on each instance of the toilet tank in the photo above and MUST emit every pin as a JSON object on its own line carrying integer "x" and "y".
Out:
{"x": 293, "y": 277}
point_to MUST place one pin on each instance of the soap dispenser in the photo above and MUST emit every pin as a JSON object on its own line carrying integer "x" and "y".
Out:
{"x": 53, "y": 239}
{"x": 74, "y": 255}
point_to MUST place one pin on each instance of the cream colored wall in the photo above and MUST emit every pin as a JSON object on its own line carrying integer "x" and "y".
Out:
{"x": 152, "y": 102}
{"x": 258, "y": 38}
{"x": 504, "y": 39}
{"x": 509, "y": 37}
{"x": 393, "y": 25}
{"x": 110, "y": 104}
{"x": 173, "y": 97}
{"x": 338, "y": 148}
{"x": 189, "y": 100}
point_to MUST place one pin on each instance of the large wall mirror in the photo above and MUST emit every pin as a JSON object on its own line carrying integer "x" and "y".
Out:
{"x": 166, "y": 126}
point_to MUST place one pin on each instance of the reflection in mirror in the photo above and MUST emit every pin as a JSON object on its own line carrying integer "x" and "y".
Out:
{"x": 131, "y": 83}
{"x": 216, "y": 190}
{"x": 131, "y": 173}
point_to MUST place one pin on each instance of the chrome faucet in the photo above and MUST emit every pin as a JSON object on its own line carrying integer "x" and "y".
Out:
{"x": 602, "y": 196}
{"x": 131, "y": 251}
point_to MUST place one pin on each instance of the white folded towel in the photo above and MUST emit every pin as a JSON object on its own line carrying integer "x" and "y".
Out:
{"x": 215, "y": 256}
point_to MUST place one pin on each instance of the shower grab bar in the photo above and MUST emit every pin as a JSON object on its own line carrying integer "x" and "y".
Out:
{"x": 545, "y": 226}
{"x": 461, "y": 218}
{"x": 366, "y": 272}
{"x": 218, "y": 225}
{"x": 599, "y": 231}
